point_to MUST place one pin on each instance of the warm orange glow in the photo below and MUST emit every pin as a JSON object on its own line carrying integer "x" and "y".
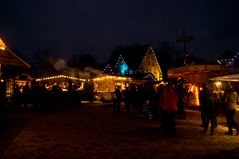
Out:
{"x": 111, "y": 78}
{"x": 59, "y": 76}
{"x": 194, "y": 89}
{"x": 108, "y": 83}
{"x": 2, "y": 45}
{"x": 197, "y": 95}
{"x": 218, "y": 84}
{"x": 150, "y": 64}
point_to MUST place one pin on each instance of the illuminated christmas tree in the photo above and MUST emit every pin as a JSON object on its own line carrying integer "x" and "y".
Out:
{"x": 121, "y": 66}
{"x": 108, "y": 70}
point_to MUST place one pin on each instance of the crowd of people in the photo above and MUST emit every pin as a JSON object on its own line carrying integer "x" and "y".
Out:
{"x": 168, "y": 103}
{"x": 209, "y": 111}
{"x": 165, "y": 102}
{"x": 38, "y": 96}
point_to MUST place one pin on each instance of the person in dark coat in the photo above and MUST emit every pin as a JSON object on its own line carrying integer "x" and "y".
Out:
{"x": 117, "y": 100}
{"x": 26, "y": 94}
{"x": 181, "y": 101}
{"x": 16, "y": 95}
{"x": 127, "y": 99}
{"x": 208, "y": 109}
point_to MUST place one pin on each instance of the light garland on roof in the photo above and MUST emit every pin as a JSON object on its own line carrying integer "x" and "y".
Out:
{"x": 108, "y": 69}
{"x": 151, "y": 51}
{"x": 59, "y": 76}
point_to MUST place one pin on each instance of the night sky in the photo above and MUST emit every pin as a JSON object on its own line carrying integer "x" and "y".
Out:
{"x": 98, "y": 26}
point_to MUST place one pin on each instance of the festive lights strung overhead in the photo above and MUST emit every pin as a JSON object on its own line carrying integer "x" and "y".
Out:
{"x": 229, "y": 61}
{"x": 59, "y": 76}
{"x": 108, "y": 70}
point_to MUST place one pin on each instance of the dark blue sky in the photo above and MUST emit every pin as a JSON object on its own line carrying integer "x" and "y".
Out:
{"x": 98, "y": 26}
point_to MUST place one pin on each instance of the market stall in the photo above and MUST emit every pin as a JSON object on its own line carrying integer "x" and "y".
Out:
{"x": 104, "y": 86}
{"x": 194, "y": 76}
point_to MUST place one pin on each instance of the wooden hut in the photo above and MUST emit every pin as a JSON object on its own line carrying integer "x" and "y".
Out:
{"x": 8, "y": 58}
{"x": 194, "y": 76}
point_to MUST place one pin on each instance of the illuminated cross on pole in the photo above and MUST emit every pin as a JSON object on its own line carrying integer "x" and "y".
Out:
{"x": 184, "y": 39}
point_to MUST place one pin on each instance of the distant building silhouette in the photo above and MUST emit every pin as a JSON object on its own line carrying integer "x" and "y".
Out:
{"x": 138, "y": 61}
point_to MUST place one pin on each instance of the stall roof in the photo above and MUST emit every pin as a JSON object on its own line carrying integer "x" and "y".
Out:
{"x": 232, "y": 78}
{"x": 9, "y": 58}
{"x": 197, "y": 73}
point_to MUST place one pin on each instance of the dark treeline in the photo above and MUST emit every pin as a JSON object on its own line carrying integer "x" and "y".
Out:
{"x": 43, "y": 61}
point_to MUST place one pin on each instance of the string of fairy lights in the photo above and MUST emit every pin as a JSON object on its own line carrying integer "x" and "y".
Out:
{"x": 151, "y": 51}
{"x": 230, "y": 61}
{"x": 120, "y": 62}
{"x": 108, "y": 69}
{"x": 59, "y": 76}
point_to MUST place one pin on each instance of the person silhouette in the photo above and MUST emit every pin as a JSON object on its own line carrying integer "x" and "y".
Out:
{"x": 231, "y": 99}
